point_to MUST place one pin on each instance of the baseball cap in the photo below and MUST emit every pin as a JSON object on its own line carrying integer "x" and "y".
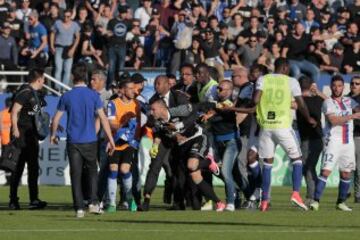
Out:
{"x": 137, "y": 78}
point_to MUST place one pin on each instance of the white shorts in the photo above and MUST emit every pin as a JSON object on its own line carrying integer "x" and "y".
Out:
{"x": 286, "y": 138}
{"x": 336, "y": 153}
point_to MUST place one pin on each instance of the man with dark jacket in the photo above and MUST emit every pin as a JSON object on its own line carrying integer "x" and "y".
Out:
{"x": 187, "y": 84}
{"x": 163, "y": 149}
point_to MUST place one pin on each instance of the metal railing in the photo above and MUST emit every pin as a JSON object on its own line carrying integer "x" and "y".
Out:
{"x": 4, "y": 84}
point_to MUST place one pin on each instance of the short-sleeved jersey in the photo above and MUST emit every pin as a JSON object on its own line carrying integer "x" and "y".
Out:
{"x": 120, "y": 113}
{"x": 339, "y": 108}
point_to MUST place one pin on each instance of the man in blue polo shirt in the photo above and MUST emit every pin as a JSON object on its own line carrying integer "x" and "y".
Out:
{"x": 82, "y": 105}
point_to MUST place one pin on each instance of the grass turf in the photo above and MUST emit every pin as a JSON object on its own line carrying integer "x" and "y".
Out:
{"x": 283, "y": 221}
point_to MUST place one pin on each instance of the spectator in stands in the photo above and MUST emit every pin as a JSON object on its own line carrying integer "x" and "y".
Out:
{"x": 309, "y": 21}
{"x": 116, "y": 33}
{"x": 270, "y": 26}
{"x": 213, "y": 51}
{"x": 181, "y": 30}
{"x": 139, "y": 59}
{"x": 250, "y": 51}
{"x": 135, "y": 32}
{"x": 351, "y": 62}
{"x": 342, "y": 18}
{"x": 49, "y": 19}
{"x": 4, "y": 9}
{"x": 143, "y": 13}
{"x": 233, "y": 57}
{"x": 331, "y": 35}
{"x": 195, "y": 54}
{"x": 351, "y": 34}
{"x": 226, "y": 18}
{"x": 224, "y": 34}
{"x": 17, "y": 30}
{"x": 64, "y": 40}
{"x": 296, "y": 49}
{"x": 236, "y": 26}
{"x": 333, "y": 61}
{"x": 104, "y": 16}
{"x": 23, "y": 13}
{"x": 8, "y": 48}
{"x": 87, "y": 53}
{"x": 297, "y": 10}
{"x": 253, "y": 29}
{"x": 166, "y": 12}
{"x": 37, "y": 49}
{"x": 82, "y": 17}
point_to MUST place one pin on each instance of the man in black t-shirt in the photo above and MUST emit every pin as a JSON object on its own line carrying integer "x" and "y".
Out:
{"x": 296, "y": 49}
{"x": 27, "y": 103}
{"x": 116, "y": 33}
{"x": 311, "y": 138}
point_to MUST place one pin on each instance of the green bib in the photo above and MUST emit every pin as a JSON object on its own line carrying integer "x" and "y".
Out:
{"x": 202, "y": 91}
{"x": 273, "y": 111}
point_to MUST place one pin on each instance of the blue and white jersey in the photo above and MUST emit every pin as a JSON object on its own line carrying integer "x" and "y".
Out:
{"x": 344, "y": 133}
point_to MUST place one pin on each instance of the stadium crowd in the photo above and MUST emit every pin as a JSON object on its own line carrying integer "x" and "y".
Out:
{"x": 315, "y": 35}
{"x": 201, "y": 124}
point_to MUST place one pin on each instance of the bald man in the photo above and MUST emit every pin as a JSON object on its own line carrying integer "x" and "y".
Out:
{"x": 171, "y": 99}
{"x": 191, "y": 147}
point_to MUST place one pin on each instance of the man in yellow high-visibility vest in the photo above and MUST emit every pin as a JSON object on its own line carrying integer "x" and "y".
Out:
{"x": 273, "y": 96}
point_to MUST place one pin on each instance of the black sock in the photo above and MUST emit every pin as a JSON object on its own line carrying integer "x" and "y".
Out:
{"x": 208, "y": 191}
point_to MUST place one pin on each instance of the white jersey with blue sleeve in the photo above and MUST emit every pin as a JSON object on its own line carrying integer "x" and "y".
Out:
{"x": 339, "y": 108}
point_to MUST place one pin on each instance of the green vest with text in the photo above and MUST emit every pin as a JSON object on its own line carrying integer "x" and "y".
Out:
{"x": 202, "y": 91}
{"x": 273, "y": 111}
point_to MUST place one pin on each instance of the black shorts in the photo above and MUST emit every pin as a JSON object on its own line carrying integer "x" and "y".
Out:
{"x": 195, "y": 148}
{"x": 123, "y": 156}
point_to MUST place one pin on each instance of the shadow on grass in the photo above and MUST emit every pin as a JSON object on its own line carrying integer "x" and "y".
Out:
{"x": 215, "y": 223}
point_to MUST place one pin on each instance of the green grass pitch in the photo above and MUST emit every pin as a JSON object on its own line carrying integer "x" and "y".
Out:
{"x": 283, "y": 221}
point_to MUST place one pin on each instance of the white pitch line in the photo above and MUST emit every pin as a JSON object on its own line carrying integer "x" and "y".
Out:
{"x": 175, "y": 230}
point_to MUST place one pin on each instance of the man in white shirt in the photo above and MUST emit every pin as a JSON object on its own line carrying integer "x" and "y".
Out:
{"x": 144, "y": 13}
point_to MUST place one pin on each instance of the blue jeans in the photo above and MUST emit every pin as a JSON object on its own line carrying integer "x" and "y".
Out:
{"x": 116, "y": 55}
{"x": 62, "y": 65}
{"x": 304, "y": 66}
{"x": 229, "y": 150}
